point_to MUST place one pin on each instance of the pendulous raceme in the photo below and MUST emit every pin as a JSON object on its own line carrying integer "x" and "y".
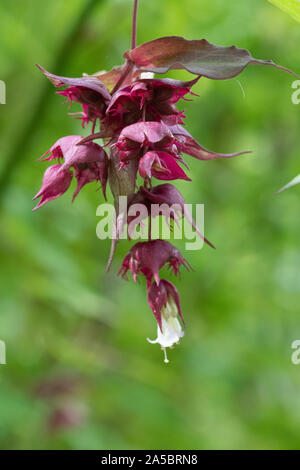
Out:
{"x": 143, "y": 136}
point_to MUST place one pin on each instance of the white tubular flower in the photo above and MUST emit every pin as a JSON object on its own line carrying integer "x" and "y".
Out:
{"x": 165, "y": 304}
{"x": 170, "y": 334}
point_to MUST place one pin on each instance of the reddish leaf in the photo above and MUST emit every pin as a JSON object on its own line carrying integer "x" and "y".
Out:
{"x": 111, "y": 78}
{"x": 89, "y": 81}
{"x": 199, "y": 57}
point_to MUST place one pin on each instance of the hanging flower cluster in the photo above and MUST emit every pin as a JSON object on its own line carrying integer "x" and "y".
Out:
{"x": 144, "y": 137}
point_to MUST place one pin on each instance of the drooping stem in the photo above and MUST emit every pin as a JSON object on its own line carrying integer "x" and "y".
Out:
{"x": 134, "y": 24}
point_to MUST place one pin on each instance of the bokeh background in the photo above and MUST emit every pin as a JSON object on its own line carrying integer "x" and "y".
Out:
{"x": 80, "y": 373}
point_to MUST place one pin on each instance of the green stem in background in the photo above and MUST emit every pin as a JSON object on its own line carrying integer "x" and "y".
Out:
{"x": 129, "y": 65}
{"x": 23, "y": 140}
{"x": 134, "y": 24}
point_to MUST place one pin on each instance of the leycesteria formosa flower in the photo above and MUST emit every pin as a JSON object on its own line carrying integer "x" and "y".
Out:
{"x": 144, "y": 139}
{"x": 147, "y": 100}
{"x": 164, "y": 301}
{"x": 147, "y": 258}
{"x": 55, "y": 183}
{"x": 165, "y": 200}
{"x": 88, "y": 160}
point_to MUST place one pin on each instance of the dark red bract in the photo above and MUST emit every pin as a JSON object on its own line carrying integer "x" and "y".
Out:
{"x": 159, "y": 295}
{"x": 148, "y": 258}
{"x": 89, "y": 162}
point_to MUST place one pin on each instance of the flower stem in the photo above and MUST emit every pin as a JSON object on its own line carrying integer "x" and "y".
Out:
{"x": 134, "y": 23}
{"x": 129, "y": 65}
{"x": 127, "y": 69}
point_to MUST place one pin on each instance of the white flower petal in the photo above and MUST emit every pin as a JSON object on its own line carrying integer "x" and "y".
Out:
{"x": 171, "y": 333}
{"x": 152, "y": 341}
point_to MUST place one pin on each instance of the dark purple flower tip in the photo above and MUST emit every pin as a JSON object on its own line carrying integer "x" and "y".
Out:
{"x": 147, "y": 100}
{"x": 88, "y": 159}
{"x": 148, "y": 258}
{"x": 164, "y": 302}
{"x": 81, "y": 87}
{"x": 55, "y": 183}
{"x": 166, "y": 89}
{"x": 61, "y": 147}
{"x": 150, "y": 135}
{"x": 159, "y": 200}
{"x": 187, "y": 144}
{"x": 165, "y": 200}
{"x": 161, "y": 165}
{"x": 85, "y": 96}
{"x": 166, "y": 196}
{"x": 153, "y": 90}
{"x": 96, "y": 171}
{"x": 88, "y": 114}
{"x": 163, "y": 194}
{"x": 83, "y": 154}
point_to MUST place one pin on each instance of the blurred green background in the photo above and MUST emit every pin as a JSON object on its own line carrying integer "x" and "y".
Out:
{"x": 80, "y": 373}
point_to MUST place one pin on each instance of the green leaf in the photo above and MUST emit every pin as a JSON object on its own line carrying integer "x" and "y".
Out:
{"x": 292, "y": 7}
{"x": 294, "y": 181}
{"x": 199, "y": 57}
